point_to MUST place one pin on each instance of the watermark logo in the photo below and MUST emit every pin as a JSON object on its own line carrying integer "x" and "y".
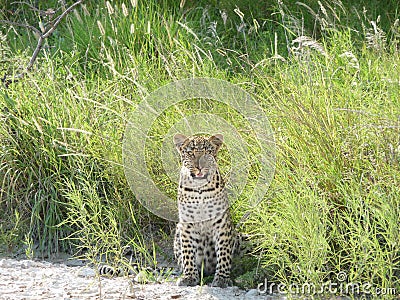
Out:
{"x": 339, "y": 286}
{"x": 202, "y": 121}
{"x": 341, "y": 276}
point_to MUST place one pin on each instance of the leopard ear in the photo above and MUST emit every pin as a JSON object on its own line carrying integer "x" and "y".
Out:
{"x": 179, "y": 139}
{"x": 217, "y": 140}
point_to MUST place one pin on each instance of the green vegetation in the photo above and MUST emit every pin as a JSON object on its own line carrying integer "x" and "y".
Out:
{"x": 326, "y": 73}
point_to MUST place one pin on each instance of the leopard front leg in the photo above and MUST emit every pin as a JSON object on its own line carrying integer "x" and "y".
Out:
{"x": 223, "y": 246}
{"x": 186, "y": 257}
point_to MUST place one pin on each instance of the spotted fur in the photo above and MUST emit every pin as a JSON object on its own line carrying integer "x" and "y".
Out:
{"x": 204, "y": 234}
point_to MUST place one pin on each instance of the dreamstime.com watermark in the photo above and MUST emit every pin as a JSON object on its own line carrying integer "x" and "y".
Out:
{"x": 339, "y": 286}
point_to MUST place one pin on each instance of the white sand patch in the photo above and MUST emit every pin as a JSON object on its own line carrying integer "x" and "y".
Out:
{"x": 28, "y": 279}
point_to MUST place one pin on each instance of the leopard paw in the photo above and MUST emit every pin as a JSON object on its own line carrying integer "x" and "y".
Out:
{"x": 187, "y": 281}
{"x": 222, "y": 282}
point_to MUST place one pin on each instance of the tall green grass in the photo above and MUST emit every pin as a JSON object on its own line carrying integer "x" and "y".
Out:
{"x": 333, "y": 204}
{"x": 325, "y": 73}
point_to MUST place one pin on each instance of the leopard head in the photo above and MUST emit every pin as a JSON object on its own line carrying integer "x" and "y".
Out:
{"x": 198, "y": 153}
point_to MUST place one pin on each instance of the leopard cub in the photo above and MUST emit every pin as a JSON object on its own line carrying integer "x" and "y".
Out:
{"x": 204, "y": 234}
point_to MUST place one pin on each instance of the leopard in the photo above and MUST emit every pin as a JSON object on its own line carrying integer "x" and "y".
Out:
{"x": 204, "y": 238}
{"x": 205, "y": 241}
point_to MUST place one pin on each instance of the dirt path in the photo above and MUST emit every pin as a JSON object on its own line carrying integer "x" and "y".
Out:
{"x": 28, "y": 279}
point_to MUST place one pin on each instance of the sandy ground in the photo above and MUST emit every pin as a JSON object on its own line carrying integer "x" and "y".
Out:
{"x": 28, "y": 279}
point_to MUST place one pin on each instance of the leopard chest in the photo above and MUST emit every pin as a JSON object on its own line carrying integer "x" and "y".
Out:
{"x": 201, "y": 205}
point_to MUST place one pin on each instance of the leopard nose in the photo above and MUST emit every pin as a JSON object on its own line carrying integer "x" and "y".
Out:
{"x": 197, "y": 161}
{"x": 202, "y": 162}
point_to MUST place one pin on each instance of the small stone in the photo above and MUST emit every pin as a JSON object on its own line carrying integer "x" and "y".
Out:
{"x": 86, "y": 272}
{"x": 74, "y": 263}
{"x": 252, "y": 293}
